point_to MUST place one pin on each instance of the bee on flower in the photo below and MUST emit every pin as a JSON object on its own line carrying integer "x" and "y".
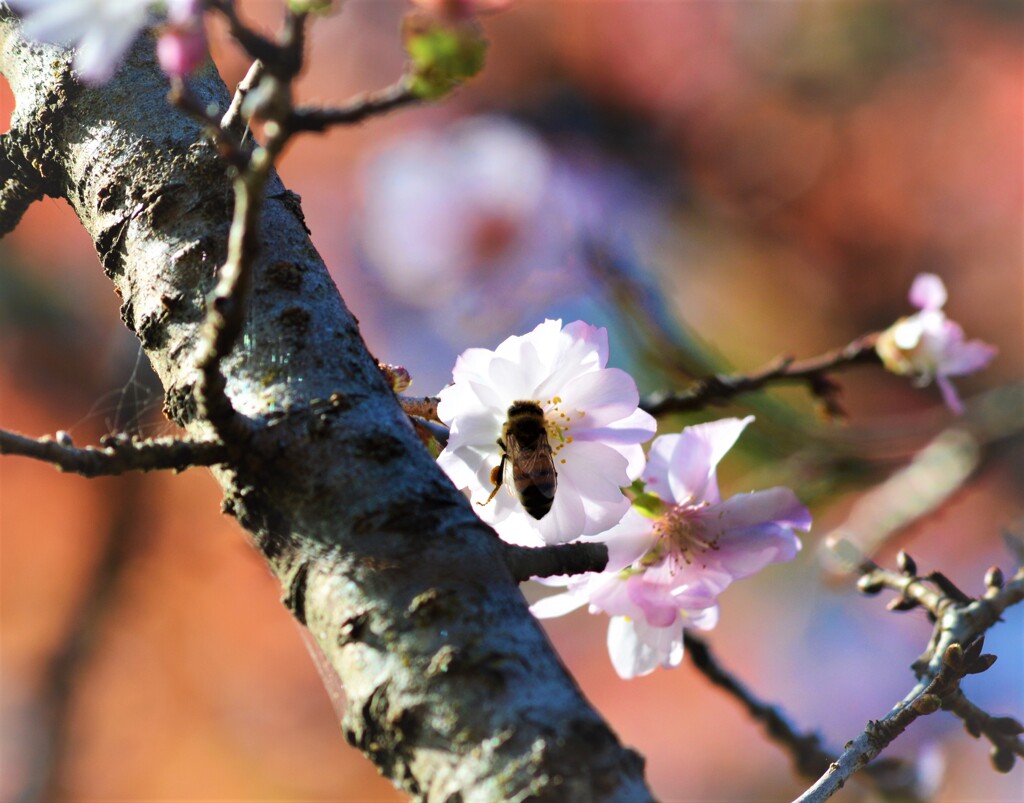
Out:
{"x": 678, "y": 548}
{"x": 543, "y": 416}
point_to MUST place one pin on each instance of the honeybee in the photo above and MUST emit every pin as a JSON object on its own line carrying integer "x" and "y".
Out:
{"x": 527, "y": 463}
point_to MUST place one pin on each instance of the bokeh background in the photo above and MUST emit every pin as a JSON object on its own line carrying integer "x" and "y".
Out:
{"x": 718, "y": 183}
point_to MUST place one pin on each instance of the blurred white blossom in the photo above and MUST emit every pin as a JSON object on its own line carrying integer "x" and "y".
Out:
{"x": 481, "y": 225}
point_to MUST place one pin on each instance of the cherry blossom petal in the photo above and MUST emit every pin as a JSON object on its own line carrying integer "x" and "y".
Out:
{"x": 697, "y": 452}
{"x": 557, "y": 605}
{"x": 967, "y": 358}
{"x": 637, "y": 649}
{"x": 928, "y": 292}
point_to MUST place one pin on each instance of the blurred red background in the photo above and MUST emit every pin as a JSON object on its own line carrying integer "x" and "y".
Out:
{"x": 778, "y": 172}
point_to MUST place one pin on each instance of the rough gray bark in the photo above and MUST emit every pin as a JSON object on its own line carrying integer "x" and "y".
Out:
{"x": 453, "y": 690}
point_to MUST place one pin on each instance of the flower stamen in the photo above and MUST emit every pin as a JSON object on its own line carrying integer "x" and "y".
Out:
{"x": 680, "y": 536}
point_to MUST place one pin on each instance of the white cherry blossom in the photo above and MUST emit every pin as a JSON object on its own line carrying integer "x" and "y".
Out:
{"x": 594, "y": 429}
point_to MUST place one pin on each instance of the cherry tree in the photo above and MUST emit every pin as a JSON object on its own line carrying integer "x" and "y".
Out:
{"x": 400, "y": 527}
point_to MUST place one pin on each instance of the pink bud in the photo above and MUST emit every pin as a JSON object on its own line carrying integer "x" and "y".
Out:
{"x": 181, "y": 49}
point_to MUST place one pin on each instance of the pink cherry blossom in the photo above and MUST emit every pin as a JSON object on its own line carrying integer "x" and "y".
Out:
{"x": 927, "y": 345}
{"x": 181, "y": 47}
{"x": 668, "y": 565}
{"x": 593, "y": 424}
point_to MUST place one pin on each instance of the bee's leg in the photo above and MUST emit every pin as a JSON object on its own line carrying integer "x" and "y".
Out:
{"x": 497, "y": 476}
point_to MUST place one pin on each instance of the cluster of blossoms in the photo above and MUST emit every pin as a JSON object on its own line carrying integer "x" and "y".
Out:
{"x": 927, "y": 345}
{"x": 668, "y": 564}
{"x": 679, "y": 548}
{"x": 102, "y": 31}
{"x": 674, "y": 544}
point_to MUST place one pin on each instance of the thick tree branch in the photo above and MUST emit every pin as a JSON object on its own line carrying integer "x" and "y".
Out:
{"x": 118, "y": 454}
{"x": 18, "y": 187}
{"x": 453, "y": 689}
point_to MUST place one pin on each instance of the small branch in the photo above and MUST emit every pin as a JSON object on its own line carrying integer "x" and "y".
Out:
{"x": 117, "y": 455}
{"x": 225, "y": 313}
{"x": 810, "y": 758}
{"x": 959, "y": 620}
{"x": 552, "y": 561}
{"x": 361, "y": 107}
{"x": 226, "y": 140}
{"x": 232, "y": 121}
{"x": 813, "y": 372}
{"x": 1003, "y": 733}
{"x": 258, "y": 46}
{"x": 924, "y": 699}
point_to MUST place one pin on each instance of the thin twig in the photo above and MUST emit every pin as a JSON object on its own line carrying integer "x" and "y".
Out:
{"x": 258, "y": 46}
{"x": 924, "y": 699}
{"x": 117, "y": 455}
{"x": 227, "y": 141}
{"x": 721, "y": 388}
{"x": 1003, "y": 733}
{"x": 361, "y": 107}
{"x": 45, "y": 774}
{"x": 809, "y": 757}
{"x": 225, "y": 313}
{"x": 233, "y": 121}
{"x": 958, "y": 621}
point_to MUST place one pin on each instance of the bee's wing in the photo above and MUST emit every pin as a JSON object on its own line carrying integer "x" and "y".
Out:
{"x": 529, "y": 462}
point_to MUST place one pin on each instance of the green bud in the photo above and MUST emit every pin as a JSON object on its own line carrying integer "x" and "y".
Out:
{"x": 442, "y": 55}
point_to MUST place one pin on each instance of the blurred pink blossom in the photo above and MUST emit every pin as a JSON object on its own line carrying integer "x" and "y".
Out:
{"x": 181, "y": 47}
{"x": 481, "y": 225}
{"x": 927, "y": 345}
